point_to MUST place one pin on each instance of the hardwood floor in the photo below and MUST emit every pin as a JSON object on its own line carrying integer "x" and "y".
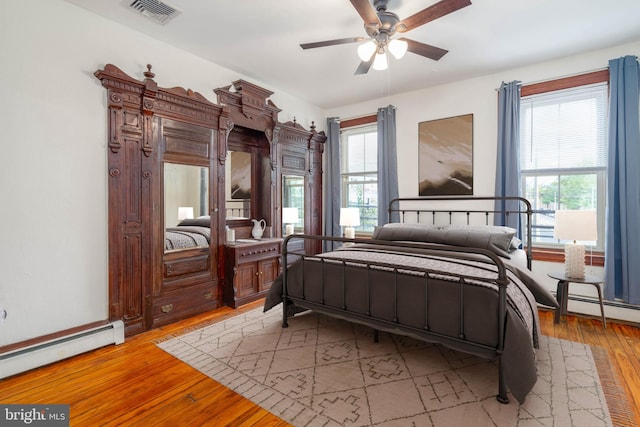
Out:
{"x": 137, "y": 384}
{"x": 621, "y": 342}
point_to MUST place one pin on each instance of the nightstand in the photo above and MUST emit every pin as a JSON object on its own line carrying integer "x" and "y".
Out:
{"x": 250, "y": 267}
{"x": 562, "y": 292}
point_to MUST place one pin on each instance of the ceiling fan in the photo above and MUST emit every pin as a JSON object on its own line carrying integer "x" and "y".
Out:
{"x": 381, "y": 25}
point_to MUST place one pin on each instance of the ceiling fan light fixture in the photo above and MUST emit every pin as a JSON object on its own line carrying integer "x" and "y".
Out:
{"x": 366, "y": 50}
{"x": 380, "y": 61}
{"x": 382, "y": 26}
{"x": 398, "y": 48}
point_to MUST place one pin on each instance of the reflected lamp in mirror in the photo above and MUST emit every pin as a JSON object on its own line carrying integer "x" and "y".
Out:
{"x": 575, "y": 225}
{"x": 289, "y": 218}
{"x": 349, "y": 218}
{"x": 185, "y": 213}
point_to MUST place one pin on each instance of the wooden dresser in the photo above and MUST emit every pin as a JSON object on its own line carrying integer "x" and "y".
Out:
{"x": 250, "y": 268}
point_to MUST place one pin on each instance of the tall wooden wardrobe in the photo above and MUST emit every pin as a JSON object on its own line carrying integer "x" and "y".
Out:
{"x": 153, "y": 131}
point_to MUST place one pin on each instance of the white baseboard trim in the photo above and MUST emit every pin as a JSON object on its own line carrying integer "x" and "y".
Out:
{"x": 26, "y": 358}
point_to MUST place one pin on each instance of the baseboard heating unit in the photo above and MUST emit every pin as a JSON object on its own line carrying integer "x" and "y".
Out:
{"x": 26, "y": 358}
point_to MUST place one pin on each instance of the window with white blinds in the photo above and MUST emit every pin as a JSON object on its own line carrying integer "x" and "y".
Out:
{"x": 563, "y": 155}
{"x": 359, "y": 171}
{"x": 564, "y": 129}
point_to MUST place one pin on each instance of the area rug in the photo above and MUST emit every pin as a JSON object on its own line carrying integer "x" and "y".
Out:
{"x": 322, "y": 371}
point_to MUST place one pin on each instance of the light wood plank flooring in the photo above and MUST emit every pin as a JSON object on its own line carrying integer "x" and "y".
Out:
{"x": 137, "y": 384}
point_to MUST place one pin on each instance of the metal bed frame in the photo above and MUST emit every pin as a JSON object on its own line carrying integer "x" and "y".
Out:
{"x": 425, "y": 332}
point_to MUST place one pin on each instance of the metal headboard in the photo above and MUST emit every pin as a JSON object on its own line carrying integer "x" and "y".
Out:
{"x": 421, "y": 210}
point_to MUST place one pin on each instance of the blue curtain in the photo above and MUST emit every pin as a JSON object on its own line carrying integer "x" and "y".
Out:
{"x": 387, "y": 163}
{"x": 332, "y": 187}
{"x": 508, "y": 157}
{"x": 622, "y": 244}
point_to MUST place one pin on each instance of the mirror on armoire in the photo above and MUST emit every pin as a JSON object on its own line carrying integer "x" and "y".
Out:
{"x": 238, "y": 185}
{"x": 247, "y": 189}
{"x": 292, "y": 204}
{"x": 186, "y": 206}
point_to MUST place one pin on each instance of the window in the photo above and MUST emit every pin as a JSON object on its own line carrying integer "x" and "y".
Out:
{"x": 359, "y": 173}
{"x": 563, "y": 155}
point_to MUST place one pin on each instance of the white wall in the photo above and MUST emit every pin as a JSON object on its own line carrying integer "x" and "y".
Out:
{"x": 53, "y": 187}
{"x": 478, "y": 96}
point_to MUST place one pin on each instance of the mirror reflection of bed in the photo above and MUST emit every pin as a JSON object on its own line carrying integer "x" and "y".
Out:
{"x": 186, "y": 206}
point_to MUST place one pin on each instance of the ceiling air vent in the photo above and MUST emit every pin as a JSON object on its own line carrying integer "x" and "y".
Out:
{"x": 156, "y": 10}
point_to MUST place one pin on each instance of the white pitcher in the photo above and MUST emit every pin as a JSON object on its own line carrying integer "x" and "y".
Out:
{"x": 258, "y": 228}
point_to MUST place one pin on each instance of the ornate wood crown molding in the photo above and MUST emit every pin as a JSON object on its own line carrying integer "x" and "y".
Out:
{"x": 248, "y": 105}
{"x": 175, "y": 102}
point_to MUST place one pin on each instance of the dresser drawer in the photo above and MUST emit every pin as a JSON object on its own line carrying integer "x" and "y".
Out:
{"x": 252, "y": 253}
{"x": 184, "y": 302}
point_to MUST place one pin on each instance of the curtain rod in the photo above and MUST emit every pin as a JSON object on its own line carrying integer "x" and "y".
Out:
{"x": 361, "y": 116}
{"x": 342, "y": 119}
{"x": 560, "y": 77}
{"x": 348, "y": 119}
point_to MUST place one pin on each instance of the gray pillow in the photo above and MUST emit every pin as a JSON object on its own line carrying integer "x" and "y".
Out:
{"x": 202, "y": 221}
{"x": 494, "y": 238}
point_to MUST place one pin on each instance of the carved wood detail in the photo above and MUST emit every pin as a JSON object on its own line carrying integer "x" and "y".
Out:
{"x": 248, "y": 105}
{"x": 294, "y": 162}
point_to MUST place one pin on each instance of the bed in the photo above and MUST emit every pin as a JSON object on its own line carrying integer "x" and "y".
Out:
{"x": 464, "y": 285}
{"x": 189, "y": 233}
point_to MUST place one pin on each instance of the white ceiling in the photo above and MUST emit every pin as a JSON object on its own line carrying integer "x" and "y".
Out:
{"x": 260, "y": 40}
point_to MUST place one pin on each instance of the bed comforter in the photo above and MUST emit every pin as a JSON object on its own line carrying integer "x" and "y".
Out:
{"x": 185, "y": 236}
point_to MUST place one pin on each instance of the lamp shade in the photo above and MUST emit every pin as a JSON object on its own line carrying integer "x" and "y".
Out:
{"x": 349, "y": 217}
{"x": 380, "y": 61}
{"x": 289, "y": 215}
{"x": 576, "y": 225}
{"x": 398, "y": 48}
{"x": 185, "y": 212}
{"x": 366, "y": 50}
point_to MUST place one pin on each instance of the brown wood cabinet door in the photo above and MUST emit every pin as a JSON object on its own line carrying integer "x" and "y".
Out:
{"x": 245, "y": 280}
{"x": 269, "y": 270}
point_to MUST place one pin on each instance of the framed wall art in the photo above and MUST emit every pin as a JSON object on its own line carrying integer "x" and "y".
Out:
{"x": 446, "y": 156}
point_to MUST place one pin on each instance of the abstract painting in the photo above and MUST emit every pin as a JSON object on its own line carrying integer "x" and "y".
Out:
{"x": 446, "y": 156}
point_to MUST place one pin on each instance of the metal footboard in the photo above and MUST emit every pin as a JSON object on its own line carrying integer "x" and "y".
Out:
{"x": 393, "y": 273}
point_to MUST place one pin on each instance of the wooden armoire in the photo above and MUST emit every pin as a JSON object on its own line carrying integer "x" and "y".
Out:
{"x": 152, "y": 129}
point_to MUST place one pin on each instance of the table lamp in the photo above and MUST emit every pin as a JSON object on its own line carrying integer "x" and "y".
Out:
{"x": 575, "y": 225}
{"x": 289, "y": 218}
{"x": 185, "y": 213}
{"x": 349, "y": 218}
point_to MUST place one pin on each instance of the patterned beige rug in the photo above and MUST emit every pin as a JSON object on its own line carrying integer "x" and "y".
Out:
{"x": 322, "y": 371}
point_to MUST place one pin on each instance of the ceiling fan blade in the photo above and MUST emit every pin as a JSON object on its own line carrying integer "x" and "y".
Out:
{"x": 364, "y": 66}
{"x": 367, "y": 12}
{"x": 331, "y": 42}
{"x": 435, "y": 11}
{"x": 424, "y": 49}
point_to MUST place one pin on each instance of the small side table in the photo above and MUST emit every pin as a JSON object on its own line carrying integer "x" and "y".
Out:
{"x": 562, "y": 292}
